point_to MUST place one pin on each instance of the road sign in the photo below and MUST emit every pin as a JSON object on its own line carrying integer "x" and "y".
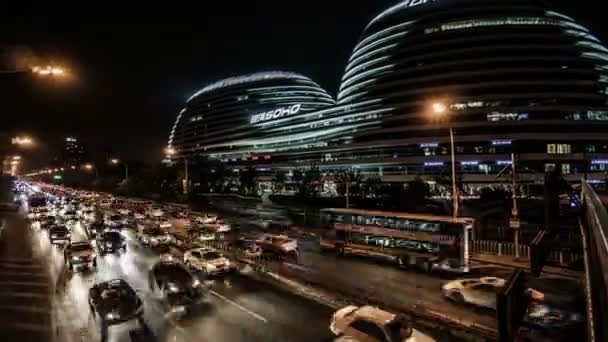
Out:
{"x": 514, "y": 223}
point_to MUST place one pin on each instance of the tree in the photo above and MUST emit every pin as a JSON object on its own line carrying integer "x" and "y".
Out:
{"x": 492, "y": 194}
{"x": 372, "y": 187}
{"x": 220, "y": 177}
{"x": 307, "y": 182}
{"x": 348, "y": 183}
{"x": 247, "y": 181}
{"x": 418, "y": 190}
{"x": 278, "y": 181}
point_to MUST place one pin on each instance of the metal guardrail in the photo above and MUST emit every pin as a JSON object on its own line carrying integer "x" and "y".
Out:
{"x": 562, "y": 258}
{"x": 594, "y": 226}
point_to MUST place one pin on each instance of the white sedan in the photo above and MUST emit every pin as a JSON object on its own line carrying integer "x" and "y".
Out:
{"x": 208, "y": 261}
{"x": 476, "y": 291}
{"x": 368, "y": 323}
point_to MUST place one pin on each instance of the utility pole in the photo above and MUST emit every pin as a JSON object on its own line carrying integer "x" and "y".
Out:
{"x": 347, "y": 195}
{"x": 515, "y": 210}
{"x": 455, "y": 208}
{"x": 186, "y": 178}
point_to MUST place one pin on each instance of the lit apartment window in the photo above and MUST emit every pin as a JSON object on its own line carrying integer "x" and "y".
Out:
{"x": 549, "y": 167}
{"x": 564, "y": 149}
{"x": 559, "y": 148}
{"x": 566, "y": 169}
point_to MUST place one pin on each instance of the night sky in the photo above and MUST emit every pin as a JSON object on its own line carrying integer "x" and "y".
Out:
{"x": 135, "y": 70}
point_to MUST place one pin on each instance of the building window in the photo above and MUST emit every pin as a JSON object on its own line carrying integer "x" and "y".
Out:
{"x": 566, "y": 169}
{"x": 478, "y": 149}
{"x": 484, "y": 168}
{"x": 459, "y": 149}
{"x": 549, "y": 167}
{"x": 559, "y": 148}
{"x": 429, "y": 151}
{"x": 564, "y": 149}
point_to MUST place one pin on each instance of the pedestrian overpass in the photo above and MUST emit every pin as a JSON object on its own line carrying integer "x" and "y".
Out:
{"x": 594, "y": 226}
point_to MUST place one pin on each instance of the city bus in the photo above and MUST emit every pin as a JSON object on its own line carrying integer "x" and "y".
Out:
{"x": 410, "y": 240}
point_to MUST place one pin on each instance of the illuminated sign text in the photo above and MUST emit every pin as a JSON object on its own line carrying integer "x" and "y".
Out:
{"x": 275, "y": 114}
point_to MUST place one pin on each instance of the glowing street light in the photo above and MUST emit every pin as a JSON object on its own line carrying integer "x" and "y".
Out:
{"x": 49, "y": 70}
{"x": 88, "y": 166}
{"x": 16, "y": 157}
{"x": 22, "y": 141}
{"x": 115, "y": 161}
{"x": 170, "y": 151}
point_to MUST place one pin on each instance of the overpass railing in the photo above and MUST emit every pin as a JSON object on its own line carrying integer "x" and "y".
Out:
{"x": 594, "y": 227}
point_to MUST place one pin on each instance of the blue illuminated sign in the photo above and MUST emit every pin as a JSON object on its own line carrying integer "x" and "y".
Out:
{"x": 469, "y": 163}
{"x": 501, "y": 142}
{"x": 433, "y": 164}
{"x": 429, "y": 145}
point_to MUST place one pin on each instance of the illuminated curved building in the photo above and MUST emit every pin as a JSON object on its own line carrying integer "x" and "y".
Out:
{"x": 245, "y": 114}
{"x": 507, "y": 76}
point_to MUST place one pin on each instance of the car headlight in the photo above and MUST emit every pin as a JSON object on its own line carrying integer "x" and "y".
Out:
{"x": 228, "y": 263}
{"x": 74, "y": 258}
{"x": 210, "y": 267}
{"x": 112, "y": 315}
{"x": 173, "y": 288}
{"x": 196, "y": 283}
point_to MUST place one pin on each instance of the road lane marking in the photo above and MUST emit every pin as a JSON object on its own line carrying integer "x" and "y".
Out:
{"x": 23, "y": 283}
{"x": 31, "y": 309}
{"x": 242, "y": 308}
{"x": 24, "y": 295}
{"x": 4, "y": 274}
{"x": 13, "y": 265}
{"x": 24, "y": 326}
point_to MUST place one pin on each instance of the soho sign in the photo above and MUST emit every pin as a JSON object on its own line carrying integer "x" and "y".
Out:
{"x": 275, "y": 114}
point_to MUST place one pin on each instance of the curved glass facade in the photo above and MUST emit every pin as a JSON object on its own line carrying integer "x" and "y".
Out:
{"x": 509, "y": 76}
{"x": 241, "y": 115}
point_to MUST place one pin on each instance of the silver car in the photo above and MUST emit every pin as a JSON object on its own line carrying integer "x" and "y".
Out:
{"x": 476, "y": 291}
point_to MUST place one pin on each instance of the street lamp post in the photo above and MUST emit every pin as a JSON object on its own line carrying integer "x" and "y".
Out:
{"x": 116, "y": 161}
{"x": 170, "y": 152}
{"x": 440, "y": 109}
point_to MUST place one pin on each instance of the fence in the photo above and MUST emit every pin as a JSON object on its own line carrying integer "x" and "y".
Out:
{"x": 561, "y": 257}
{"x": 498, "y": 248}
{"x": 594, "y": 226}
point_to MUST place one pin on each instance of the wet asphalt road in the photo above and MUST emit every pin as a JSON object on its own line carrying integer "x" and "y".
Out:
{"x": 236, "y": 308}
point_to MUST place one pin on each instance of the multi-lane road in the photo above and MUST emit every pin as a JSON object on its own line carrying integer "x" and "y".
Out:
{"x": 236, "y": 309}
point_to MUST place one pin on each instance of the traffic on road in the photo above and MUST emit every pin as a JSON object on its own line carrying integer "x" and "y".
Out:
{"x": 130, "y": 269}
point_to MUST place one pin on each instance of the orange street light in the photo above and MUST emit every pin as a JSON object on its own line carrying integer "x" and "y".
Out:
{"x": 22, "y": 141}
{"x": 49, "y": 70}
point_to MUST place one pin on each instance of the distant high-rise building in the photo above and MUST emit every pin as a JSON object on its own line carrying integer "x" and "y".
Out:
{"x": 73, "y": 152}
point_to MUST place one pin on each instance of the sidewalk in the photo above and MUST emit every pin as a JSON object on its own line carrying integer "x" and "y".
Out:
{"x": 26, "y": 298}
{"x": 508, "y": 261}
